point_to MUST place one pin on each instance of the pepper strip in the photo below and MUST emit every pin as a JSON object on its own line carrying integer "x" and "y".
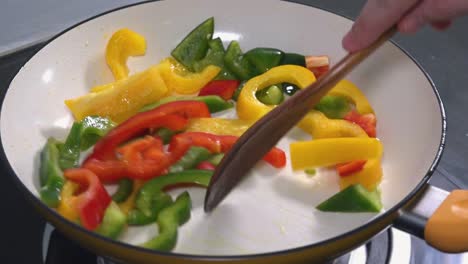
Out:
{"x": 169, "y": 220}
{"x": 123, "y": 44}
{"x": 51, "y": 175}
{"x": 121, "y": 99}
{"x": 332, "y": 151}
{"x": 154, "y": 187}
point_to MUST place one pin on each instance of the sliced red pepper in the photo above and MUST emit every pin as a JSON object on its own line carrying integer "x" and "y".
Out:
{"x": 217, "y": 144}
{"x": 367, "y": 122}
{"x": 349, "y": 168}
{"x": 171, "y": 115}
{"x": 222, "y": 88}
{"x": 145, "y": 158}
{"x": 319, "y": 65}
{"x": 108, "y": 171}
{"x": 205, "y": 165}
{"x": 92, "y": 202}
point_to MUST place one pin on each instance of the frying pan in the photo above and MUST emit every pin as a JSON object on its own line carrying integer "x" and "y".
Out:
{"x": 271, "y": 215}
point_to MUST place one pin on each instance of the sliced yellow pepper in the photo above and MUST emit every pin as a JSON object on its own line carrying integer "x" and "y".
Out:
{"x": 332, "y": 151}
{"x": 219, "y": 126}
{"x": 123, "y": 99}
{"x": 320, "y": 126}
{"x": 369, "y": 177}
{"x": 182, "y": 81}
{"x": 122, "y": 44}
{"x": 314, "y": 123}
{"x": 250, "y": 108}
{"x": 351, "y": 92}
{"x": 66, "y": 207}
{"x": 129, "y": 204}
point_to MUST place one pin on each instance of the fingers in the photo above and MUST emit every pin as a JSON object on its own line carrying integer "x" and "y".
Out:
{"x": 437, "y": 12}
{"x": 376, "y": 17}
{"x": 441, "y": 25}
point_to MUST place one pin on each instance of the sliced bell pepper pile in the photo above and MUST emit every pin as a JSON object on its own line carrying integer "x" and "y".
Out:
{"x": 123, "y": 44}
{"x": 92, "y": 202}
{"x": 121, "y": 99}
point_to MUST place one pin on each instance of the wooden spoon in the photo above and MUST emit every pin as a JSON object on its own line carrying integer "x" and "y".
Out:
{"x": 267, "y": 131}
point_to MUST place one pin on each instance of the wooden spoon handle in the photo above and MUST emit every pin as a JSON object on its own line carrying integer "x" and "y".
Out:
{"x": 267, "y": 131}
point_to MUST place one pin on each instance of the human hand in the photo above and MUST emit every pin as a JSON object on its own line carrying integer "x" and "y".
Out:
{"x": 410, "y": 15}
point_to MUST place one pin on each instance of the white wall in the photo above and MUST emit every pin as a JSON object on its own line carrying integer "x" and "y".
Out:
{"x": 23, "y": 22}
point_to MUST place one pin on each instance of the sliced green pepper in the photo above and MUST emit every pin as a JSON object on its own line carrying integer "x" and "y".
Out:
{"x": 195, "y": 45}
{"x": 165, "y": 134}
{"x": 293, "y": 59}
{"x": 272, "y": 95}
{"x": 216, "y": 159}
{"x": 335, "y": 107}
{"x": 169, "y": 221}
{"x": 214, "y": 102}
{"x": 215, "y": 56}
{"x": 237, "y": 63}
{"x": 71, "y": 149}
{"x": 191, "y": 158}
{"x": 264, "y": 58}
{"x": 156, "y": 185}
{"x": 159, "y": 201}
{"x": 94, "y": 127}
{"x": 50, "y": 173}
{"x": 124, "y": 190}
{"x": 113, "y": 222}
{"x": 354, "y": 198}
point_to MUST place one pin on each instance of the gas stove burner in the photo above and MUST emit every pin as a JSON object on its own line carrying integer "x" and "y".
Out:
{"x": 391, "y": 246}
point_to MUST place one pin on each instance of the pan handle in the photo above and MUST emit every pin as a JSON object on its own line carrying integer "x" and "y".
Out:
{"x": 439, "y": 217}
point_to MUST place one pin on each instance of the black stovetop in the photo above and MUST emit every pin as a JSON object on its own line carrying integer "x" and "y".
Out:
{"x": 443, "y": 55}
